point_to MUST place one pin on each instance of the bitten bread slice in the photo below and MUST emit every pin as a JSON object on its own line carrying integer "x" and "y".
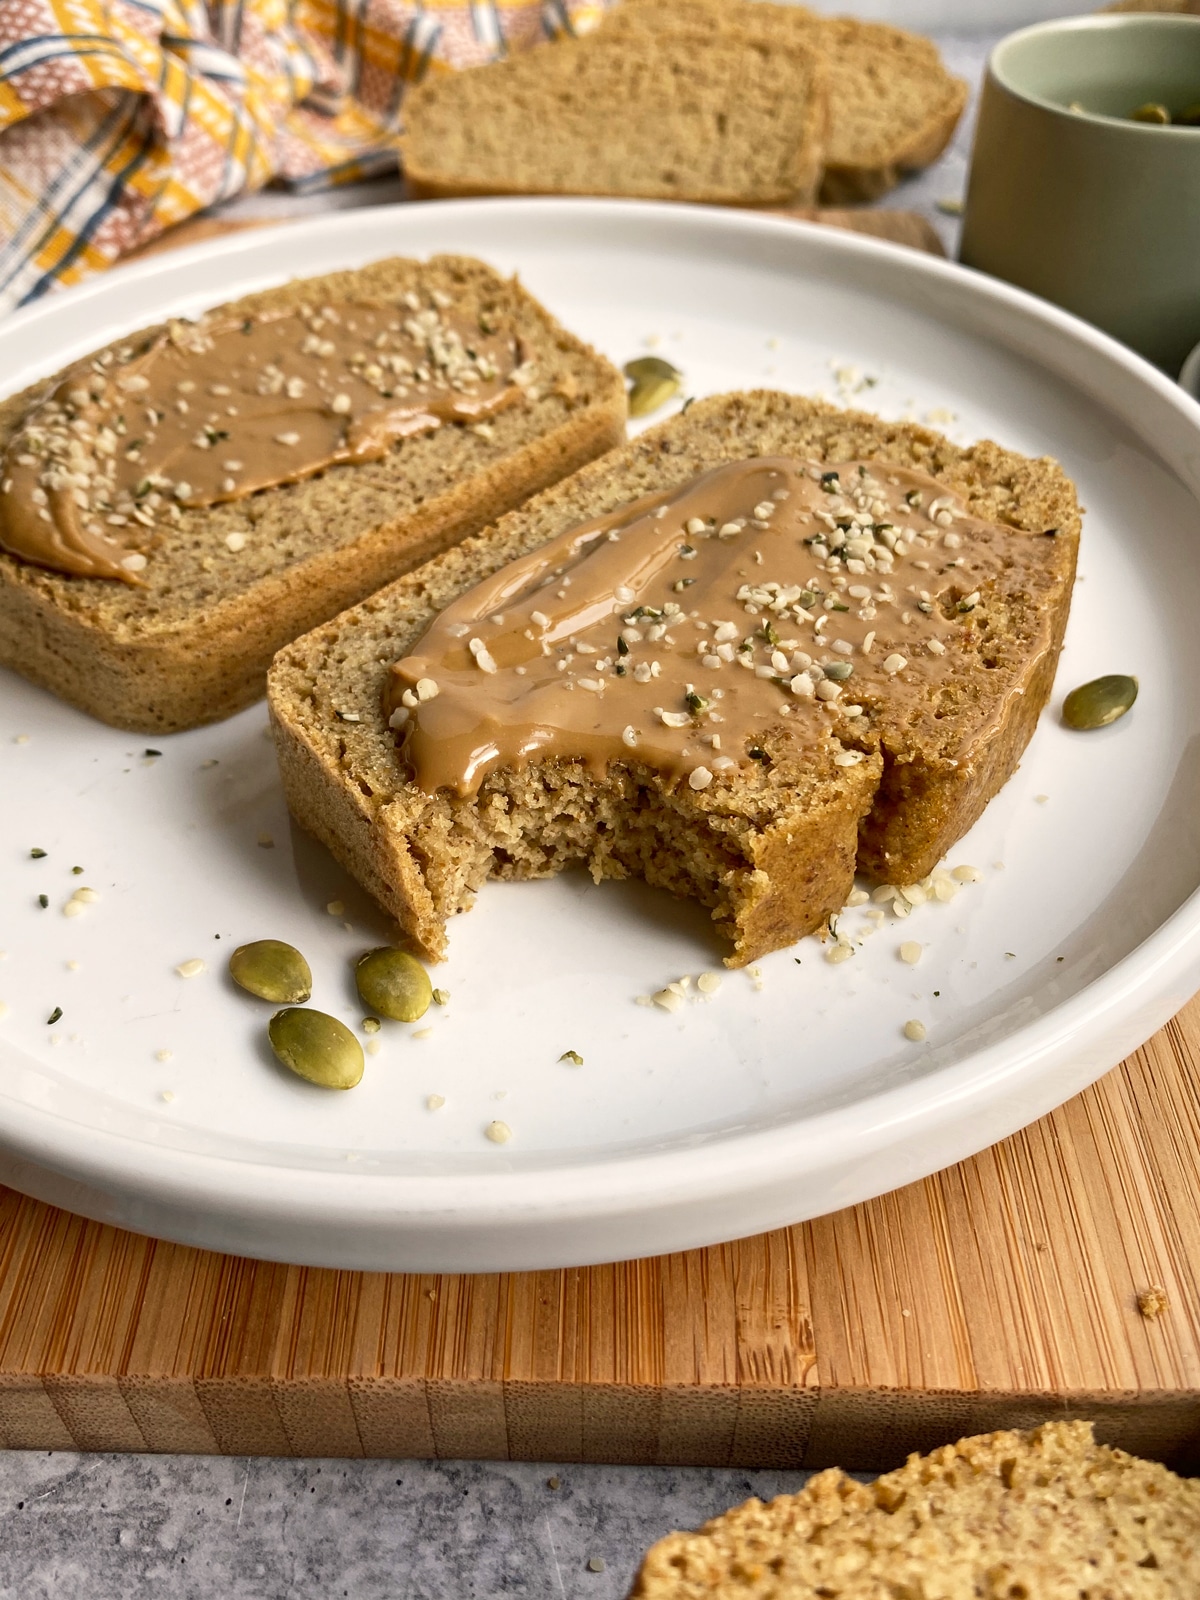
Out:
{"x": 233, "y": 582}
{"x": 694, "y": 116}
{"x": 893, "y": 107}
{"x": 772, "y": 849}
{"x": 1044, "y": 1515}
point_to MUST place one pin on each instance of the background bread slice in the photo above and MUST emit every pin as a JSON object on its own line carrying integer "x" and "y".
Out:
{"x": 893, "y": 107}
{"x": 194, "y": 645}
{"x": 1047, "y": 1515}
{"x": 693, "y": 115}
{"x": 926, "y": 779}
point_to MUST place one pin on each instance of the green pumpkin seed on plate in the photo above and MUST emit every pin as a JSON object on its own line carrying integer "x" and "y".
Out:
{"x": 653, "y": 382}
{"x": 394, "y": 984}
{"x": 1099, "y": 703}
{"x": 271, "y": 970}
{"x": 317, "y": 1047}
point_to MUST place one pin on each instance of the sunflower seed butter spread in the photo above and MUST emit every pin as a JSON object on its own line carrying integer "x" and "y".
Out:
{"x": 675, "y": 631}
{"x": 214, "y": 410}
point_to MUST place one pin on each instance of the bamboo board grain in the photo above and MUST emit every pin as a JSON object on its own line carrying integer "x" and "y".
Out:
{"x": 997, "y": 1293}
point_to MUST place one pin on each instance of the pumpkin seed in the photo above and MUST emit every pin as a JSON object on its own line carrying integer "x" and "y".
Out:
{"x": 1100, "y": 702}
{"x": 317, "y": 1047}
{"x": 650, "y": 367}
{"x": 394, "y": 984}
{"x": 653, "y": 382}
{"x": 271, "y": 970}
{"x": 1150, "y": 112}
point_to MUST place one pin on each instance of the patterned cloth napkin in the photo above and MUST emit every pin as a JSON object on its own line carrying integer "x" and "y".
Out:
{"x": 121, "y": 117}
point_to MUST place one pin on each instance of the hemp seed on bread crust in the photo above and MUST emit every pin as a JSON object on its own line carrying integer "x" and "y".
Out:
{"x": 1046, "y": 1515}
{"x": 232, "y": 582}
{"x": 772, "y": 851}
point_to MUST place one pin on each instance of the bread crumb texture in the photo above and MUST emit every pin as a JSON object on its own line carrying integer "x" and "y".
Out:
{"x": 693, "y": 113}
{"x": 892, "y": 105}
{"x": 771, "y": 850}
{"x": 235, "y": 581}
{"x": 1045, "y": 1515}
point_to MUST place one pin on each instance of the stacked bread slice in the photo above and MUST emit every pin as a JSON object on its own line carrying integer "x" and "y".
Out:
{"x": 731, "y": 117}
{"x": 738, "y": 102}
{"x": 893, "y": 107}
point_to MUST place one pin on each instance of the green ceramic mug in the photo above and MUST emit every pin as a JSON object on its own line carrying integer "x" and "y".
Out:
{"x": 1070, "y": 198}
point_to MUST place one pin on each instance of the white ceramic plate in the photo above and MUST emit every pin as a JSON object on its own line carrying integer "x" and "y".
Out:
{"x": 771, "y": 1101}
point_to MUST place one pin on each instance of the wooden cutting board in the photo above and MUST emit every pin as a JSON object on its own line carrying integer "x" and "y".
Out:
{"x": 997, "y": 1293}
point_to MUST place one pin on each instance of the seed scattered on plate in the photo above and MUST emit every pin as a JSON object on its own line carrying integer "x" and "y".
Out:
{"x": 168, "y": 1095}
{"x": 914, "y": 1030}
{"x": 434, "y": 1102}
{"x": 317, "y": 1047}
{"x": 1099, "y": 703}
{"x": 498, "y": 1132}
{"x": 394, "y": 984}
{"x": 653, "y": 382}
{"x": 335, "y": 908}
{"x": 162, "y": 1055}
{"x": 573, "y": 1057}
{"x": 271, "y": 970}
{"x": 192, "y": 968}
{"x": 708, "y": 982}
{"x": 910, "y": 952}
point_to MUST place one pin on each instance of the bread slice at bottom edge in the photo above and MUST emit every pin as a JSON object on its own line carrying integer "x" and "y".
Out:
{"x": 771, "y": 852}
{"x": 1049, "y": 1514}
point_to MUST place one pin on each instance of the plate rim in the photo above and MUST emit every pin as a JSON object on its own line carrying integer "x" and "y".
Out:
{"x": 574, "y": 1200}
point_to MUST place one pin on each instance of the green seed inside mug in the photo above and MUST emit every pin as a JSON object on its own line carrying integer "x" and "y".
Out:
{"x": 1151, "y": 112}
{"x": 394, "y": 984}
{"x": 271, "y": 970}
{"x": 317, "y": 1047}
{"x": 1099, "y": 703}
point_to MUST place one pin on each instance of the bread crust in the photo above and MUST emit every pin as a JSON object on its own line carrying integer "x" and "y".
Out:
{"x": 844, "y": 184}
{"x": 178, "y": 666}
{"x": 917, "y": 790}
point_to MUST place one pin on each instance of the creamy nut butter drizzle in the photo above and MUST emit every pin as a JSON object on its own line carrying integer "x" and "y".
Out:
{"x": 215, "y": 410}
{"x": 768, "y": 594}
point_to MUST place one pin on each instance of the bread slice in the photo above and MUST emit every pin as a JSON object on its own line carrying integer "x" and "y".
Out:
{"x": 1046, "y": 1515}
{"x": 695, "y": 116}
{"x": 1186, "y": 8}
{"x": 772, "y": 850}
{"x": 893, "y": 107}
{"x": 194, "y": 643}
